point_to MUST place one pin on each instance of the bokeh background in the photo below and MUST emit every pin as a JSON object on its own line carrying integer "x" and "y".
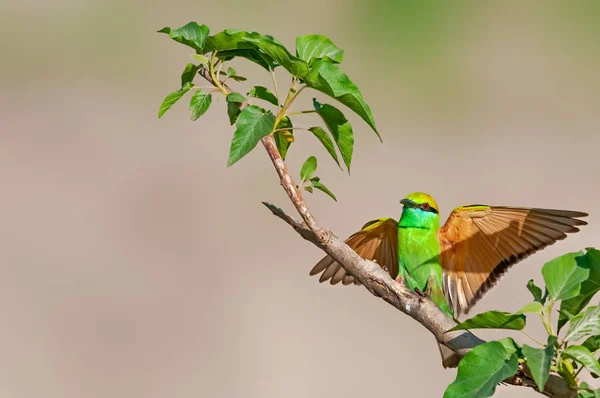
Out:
{"x": 134, "y": 263}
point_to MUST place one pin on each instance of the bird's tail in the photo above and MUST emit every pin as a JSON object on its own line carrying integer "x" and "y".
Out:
{"x": 450, "y": 359}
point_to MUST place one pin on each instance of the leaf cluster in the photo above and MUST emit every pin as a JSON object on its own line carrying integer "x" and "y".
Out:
{"x": 314, "y": 64}
{"x": 571, "y": 280}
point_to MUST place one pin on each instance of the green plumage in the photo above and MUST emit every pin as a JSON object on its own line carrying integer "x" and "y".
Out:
{"x": 419, "y": 251}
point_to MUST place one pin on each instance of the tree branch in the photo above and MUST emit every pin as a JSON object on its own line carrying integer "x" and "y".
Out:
{"x": 377, "y": 281}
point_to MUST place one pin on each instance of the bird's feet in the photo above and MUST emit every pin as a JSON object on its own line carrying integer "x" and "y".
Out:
{"x": 399, "y": 279}
{"x": 426, "y": 293}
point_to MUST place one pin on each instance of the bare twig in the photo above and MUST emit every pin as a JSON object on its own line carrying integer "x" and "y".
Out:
{"x": 377, "y": 281}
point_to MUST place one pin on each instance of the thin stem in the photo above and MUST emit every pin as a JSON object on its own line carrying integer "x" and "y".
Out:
{"x": 550, "y": 317}
{"x": 578, "y": 371}
{"x": 215, "y": 79}
{"x": 569, "y": 373}
{"x": 300, "y": 113}
{"x": 275, "y": 87}
{"x": 220, "y": 67}
{"x": 546, "y": 325}
{"x": 559, "y": 360}
{"x": 532, "y": 338}
{"x": 547, "y": 318}
{"x": 297, "y": 94}
{"x": 291, "y": 128}
{"x": 288, "y": 102}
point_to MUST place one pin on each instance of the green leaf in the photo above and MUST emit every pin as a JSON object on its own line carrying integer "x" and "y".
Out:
{"x": 565, "y": 315}
{"x": 312, "y": 48}
{"x": 201, "y": 58}
{"x": 584, "y": 324}
{"x": 234, "y": 104}
{"x": 323, "y": 137}
{"x": 482, "y": 369}
{"x": 231, "y": 44}
{"x": 329, "y": 79}
{"x": 280, "y": 141}
{"x": 584, "y": 357}
{"x": 511, "y": 346}
{"x": 232, "y": 74}
{"x": 308, "y": 168}
{"x": 172, "y": 98}
{"x": 563, "y": 276}
{"x": 191, "y": 35}
{"x": 323, "y": 188}
{"x": 252, "y": 125}
{"x": 189, "y": 73}
{"x": 308, "y": 189}
{"x": 278, "y": 53}
{"x": 340, "y": 129}
{"x": 589, "y": 287}
{"x": 233, "y": 111}
{"x": 236, "y": 97}
{"x": 227, "y": 40}
{"x": 592, "y": 343}
{"x": 493, "y": 320}
{"x": 252, "y": 55}
{"x": 532, "y": 308}
{"x": 264, "y": 94}
{"x": 200, "y": 103}
{"x": 536, "y": 292}
{"x": 586, "y": 391}
{"x": 539, "y": 361}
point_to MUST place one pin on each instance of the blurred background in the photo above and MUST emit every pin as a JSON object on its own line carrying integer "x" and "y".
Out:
{"x": 134, "y": 263}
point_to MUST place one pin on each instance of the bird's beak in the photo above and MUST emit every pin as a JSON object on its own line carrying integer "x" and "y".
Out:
{"x": 407, "y": 202}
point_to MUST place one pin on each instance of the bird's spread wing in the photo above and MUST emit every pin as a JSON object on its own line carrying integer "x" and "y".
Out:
{"x": 376, "y": 241}
{"x": 480, "y": 243}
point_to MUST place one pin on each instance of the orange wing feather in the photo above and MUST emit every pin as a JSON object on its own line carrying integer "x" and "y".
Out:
{"x": 480, "y": 243}
{"x": 376, "y": 241}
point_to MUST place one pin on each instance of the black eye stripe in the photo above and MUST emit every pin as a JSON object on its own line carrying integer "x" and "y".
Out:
{"x": 423, "y": 206}
{"x": 427, "y": 207}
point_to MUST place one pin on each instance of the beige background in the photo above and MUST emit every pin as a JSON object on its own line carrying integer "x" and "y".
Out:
{"x": 135, "y": 264}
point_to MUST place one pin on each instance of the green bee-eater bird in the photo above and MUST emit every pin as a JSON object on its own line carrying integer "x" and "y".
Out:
{"x": 456, "y": 264}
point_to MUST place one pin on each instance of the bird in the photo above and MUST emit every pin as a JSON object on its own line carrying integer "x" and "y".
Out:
{"x": 453, "y": 264}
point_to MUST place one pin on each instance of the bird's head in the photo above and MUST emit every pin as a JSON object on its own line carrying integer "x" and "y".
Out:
{"x": 420, "y": 210}
{"x": 421, "y": 201}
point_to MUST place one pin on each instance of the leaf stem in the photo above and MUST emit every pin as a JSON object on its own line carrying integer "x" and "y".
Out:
{"x": 288, "y": 102}
{"x": 290, "y": 128}
{"x": 211, "y": 71}
{"x": 297, "y": 94}
{"x": 578, "y": 370}
{"x": 550, "y": 317}
{"x": 220, "y": 67}
{"x": 547, "y": 318}
{"x": 568, "y": 373}
{"x": 533, "y": 338}
{"x": 275, "y": 87}
{"x": 300, "y": 113}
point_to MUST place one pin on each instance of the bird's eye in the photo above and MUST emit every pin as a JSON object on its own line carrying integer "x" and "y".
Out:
{"x": 425, "y": 206}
